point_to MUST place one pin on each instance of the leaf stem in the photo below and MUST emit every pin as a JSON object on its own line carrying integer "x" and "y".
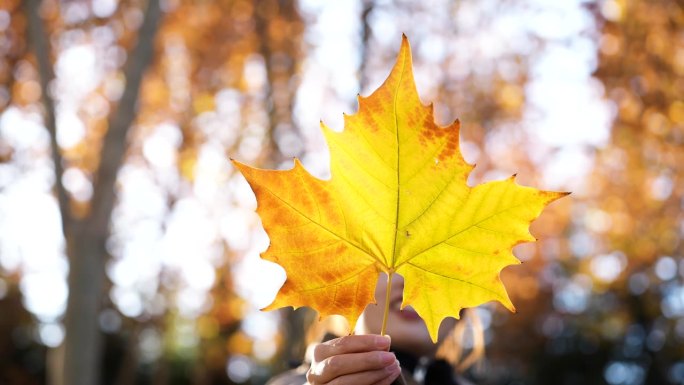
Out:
{"x": 387, "y": 303}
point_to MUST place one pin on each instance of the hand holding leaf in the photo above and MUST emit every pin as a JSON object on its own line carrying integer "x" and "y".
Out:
{"x": 397, "y": 202}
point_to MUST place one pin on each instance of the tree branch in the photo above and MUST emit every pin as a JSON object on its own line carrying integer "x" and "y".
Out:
{"x": 39, "y": 40}
{"x": 366, "y": 31}
{"x": 115, "y": 143}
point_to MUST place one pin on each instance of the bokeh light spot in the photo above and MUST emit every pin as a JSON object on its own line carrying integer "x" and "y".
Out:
{"x": 607, "y": 267}
{"x": 51, "y": 334}
{"x": 666, "y": 268}
{"x": 624, "y": 373}
{"x": 239, "y": 368}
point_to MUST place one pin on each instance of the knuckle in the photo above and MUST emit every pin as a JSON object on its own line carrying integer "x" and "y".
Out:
{"x": 339, "y": 342}
{"x": 318, "y": 348}
{"x": 319, "y": 352}
{"x": 332, "y": 363}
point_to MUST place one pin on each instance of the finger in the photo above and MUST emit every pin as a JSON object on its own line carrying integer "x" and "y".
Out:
{"x": 344, "y": 364}
{"x": 390, "y": 380}
{"x": 350, "y": 344}
{"x": 383, "y": 376}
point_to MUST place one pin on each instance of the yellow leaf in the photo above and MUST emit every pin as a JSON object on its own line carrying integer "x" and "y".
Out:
{"x": 397, "y": 202}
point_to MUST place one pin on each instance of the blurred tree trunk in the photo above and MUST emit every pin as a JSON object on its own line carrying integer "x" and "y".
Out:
{"x": 279, "y": 51}
{"x": 86, "y": 237}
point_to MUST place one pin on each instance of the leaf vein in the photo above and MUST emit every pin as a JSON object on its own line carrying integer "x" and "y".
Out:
{"x": 455, "y": 279}
{"x": 350, "y": 277}
{"x": 323, "y": 227}
{"x": 396, "y": 126}
{"x": 461, "y": 231}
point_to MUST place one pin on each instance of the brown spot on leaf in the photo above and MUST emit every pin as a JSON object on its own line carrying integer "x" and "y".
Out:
{"x": 327, "y": 276}
{"x": 369, "y": 122}
{"x": 451, "y": 147}
{"x": 344, "y": 296}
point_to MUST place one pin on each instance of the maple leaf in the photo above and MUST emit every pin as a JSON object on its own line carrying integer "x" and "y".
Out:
{"x": 397, "y": 202}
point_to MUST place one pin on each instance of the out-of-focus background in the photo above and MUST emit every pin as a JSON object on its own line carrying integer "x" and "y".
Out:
{"x": 130, "y": 254}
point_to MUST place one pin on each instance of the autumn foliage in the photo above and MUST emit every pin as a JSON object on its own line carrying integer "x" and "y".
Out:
{"x": 172, "y": 237}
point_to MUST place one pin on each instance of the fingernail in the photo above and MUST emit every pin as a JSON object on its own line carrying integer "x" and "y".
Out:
{"x": 387, "y": 358}
{"x": 382, "y": 342}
